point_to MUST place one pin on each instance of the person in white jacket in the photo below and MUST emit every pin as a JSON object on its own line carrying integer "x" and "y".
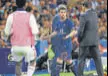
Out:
{"x": 22, "y": 29}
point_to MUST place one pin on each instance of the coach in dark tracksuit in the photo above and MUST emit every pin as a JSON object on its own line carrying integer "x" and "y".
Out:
{"x": 88, "y": 39}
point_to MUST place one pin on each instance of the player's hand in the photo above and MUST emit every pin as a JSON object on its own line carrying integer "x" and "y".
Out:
{"x": 3, "y": 36}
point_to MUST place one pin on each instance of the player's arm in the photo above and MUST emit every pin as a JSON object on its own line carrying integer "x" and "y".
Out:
{"x": 54, "y": 32}
{"x": 82, "y": 27}
{"x": 72, "y": 34}
{"x": 7, "y": 31}
{"x": 49, "y": 36}
{"x": 34, "y": 26}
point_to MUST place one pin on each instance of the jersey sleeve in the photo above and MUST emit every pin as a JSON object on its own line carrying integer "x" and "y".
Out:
{"x": 33, "y": 24}
{"x": 8, "y": 27}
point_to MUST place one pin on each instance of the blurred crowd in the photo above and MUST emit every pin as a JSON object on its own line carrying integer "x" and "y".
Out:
{"x": 46, "y": 10}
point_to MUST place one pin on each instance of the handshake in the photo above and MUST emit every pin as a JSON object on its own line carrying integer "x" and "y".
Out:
{"x": 48, "y": 36}
{"x": 52, "y": 35}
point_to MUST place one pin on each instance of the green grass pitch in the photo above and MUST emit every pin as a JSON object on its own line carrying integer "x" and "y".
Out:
{"x": 65, "y": 74}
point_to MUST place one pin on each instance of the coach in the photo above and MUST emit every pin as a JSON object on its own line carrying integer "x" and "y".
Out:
{"x": 88, "y": 39}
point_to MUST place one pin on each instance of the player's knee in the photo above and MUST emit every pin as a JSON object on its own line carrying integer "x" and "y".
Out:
{"x": 69, "y": 62}
{"x": 33, "y": 63}
{"x": 59, "y": 61}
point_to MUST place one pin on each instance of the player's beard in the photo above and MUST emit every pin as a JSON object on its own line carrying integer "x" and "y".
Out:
{"x": 63, "y": 18}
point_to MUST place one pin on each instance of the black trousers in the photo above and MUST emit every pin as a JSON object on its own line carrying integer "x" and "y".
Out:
{"x": 95, "y": 54}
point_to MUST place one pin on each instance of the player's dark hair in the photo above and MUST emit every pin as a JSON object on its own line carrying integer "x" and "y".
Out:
{"x": 62, "y": 9}
{"x": 20, "y": 3}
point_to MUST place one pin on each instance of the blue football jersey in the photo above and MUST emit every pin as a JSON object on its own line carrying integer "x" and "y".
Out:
{"x": 63, "y": 28}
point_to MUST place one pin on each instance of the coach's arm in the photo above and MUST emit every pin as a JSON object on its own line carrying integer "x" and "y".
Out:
{"x": 82, "y": 28}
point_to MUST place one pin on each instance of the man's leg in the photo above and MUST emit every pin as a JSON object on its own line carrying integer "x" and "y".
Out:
{"x": 81, "y": 61}
{"x": 94, "y": 50}
{"x": 56, "y": 67}
{"x": 53, "y": 67}
{"x": 18, "y": 59}
{"x": 59, "y": 64}
{"x": 56, "y": 63}
{"x": 31, "y": 68}
{"x": 18, "y": 68}
{"x": 31, "y": 59}
{"x": 72, "y": 67}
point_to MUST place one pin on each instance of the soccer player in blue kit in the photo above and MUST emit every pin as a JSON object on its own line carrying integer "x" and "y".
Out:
{"x": 61, "y": 40}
